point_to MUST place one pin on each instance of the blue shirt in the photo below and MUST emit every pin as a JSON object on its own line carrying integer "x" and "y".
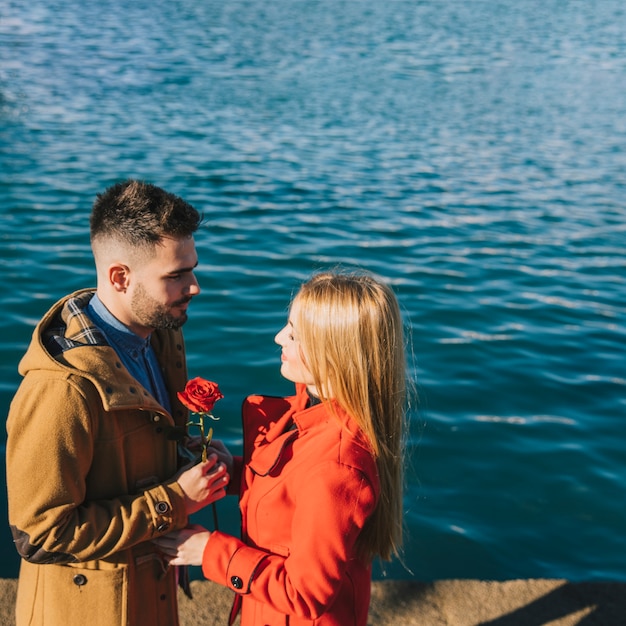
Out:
{"x": 135, "y": 352}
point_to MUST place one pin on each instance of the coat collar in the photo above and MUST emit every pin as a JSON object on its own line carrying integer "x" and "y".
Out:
{"x": 66, "y": 340}
{"x": 271, "y": 445}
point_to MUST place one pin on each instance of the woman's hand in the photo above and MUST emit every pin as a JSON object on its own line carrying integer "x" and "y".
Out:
{"x": 184, "y": 547}
{"x": 203, "y": 483}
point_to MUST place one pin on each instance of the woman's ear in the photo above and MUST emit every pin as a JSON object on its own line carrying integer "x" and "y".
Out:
{"x": 119, "y": 277}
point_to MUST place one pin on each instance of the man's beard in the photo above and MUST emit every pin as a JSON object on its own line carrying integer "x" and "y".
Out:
{"x": 152, "y": 314}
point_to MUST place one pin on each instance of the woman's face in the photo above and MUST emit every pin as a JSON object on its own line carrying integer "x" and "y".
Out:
{"x": 293, "y": 366}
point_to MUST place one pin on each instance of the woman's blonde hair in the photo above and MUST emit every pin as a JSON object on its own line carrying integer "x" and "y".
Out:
{"x": 350, "y": 330}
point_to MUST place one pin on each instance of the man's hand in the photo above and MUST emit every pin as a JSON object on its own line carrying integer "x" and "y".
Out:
{"x": 203, "y": 483}
{"x": 224, "y": 455}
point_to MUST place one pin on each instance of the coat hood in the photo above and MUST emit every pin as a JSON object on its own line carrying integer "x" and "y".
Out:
{"x": 67, "y": 342}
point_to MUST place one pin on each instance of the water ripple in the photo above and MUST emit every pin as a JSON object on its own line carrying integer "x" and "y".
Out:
{"x": 470, "y": 153}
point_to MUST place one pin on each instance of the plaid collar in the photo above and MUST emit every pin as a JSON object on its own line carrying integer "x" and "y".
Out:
{"x": 71, "y": 328}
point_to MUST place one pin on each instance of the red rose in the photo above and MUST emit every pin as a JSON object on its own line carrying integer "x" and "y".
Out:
{"x": 200, "y": 395}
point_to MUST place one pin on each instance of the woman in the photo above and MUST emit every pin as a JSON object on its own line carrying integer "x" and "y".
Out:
{"x": 320, "y": 480}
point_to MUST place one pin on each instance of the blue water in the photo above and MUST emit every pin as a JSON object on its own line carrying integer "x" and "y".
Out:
{"x": 471, "y": 153}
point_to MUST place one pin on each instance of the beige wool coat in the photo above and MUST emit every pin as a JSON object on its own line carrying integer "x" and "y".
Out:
{"x": 91, "y": 457}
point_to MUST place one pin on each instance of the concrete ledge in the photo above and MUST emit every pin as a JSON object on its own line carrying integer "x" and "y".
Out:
{"x": 441, "y": 603}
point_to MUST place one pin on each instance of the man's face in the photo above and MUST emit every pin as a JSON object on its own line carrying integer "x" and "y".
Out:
{"x": 163, "y": 286}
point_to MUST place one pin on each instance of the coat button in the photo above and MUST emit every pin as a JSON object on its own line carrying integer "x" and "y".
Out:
{"x": 161, "y": 528}
{"x": 236, "y": 582}
{"x": 80, "y": 580}
{"x": 162, "y": 507}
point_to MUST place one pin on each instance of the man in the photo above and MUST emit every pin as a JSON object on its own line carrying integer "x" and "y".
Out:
{"x": 93, "y": 462}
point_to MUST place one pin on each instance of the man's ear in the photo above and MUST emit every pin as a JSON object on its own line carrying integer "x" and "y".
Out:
{"x": 119, "y": 277}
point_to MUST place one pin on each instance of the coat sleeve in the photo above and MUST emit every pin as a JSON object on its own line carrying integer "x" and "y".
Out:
{"x": 50, "y": 448}
{"x": 329, "y": 513}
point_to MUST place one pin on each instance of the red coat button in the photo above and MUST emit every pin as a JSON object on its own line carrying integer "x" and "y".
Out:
{"x": 236, "y": 582}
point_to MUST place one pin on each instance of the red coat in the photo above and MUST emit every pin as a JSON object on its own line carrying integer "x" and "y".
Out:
{"x": 305, "y": 496}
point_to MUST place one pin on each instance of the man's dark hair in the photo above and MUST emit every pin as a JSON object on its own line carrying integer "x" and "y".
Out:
{"x": 141, "y": 214}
